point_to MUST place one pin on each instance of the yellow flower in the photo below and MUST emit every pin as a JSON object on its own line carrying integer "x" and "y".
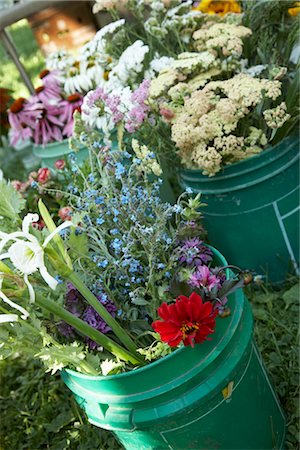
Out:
{"x": 221, "y": 7}
{"x": 295, "y": 10}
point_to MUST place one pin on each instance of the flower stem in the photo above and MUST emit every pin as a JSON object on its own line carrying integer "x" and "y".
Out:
{"x": 88, "y": 331}
{"x": 101, "y": 310}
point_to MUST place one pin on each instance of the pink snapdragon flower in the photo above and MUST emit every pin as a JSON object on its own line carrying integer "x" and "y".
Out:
{"x": 43, "y": 175}
{"x": 202, "y": 277}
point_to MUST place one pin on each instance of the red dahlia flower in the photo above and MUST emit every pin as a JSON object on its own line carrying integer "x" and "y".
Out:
{"x": 188, "y": 320}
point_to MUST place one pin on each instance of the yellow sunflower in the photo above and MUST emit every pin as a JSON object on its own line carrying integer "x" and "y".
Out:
{"x": 295, "y": 10}
{"x": 221, "y": 7}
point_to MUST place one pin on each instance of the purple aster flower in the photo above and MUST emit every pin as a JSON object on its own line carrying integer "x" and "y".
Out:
{"x": 202, "y": 277}
{"x": 66, "y": 330}
{"x": 194, "y": 253}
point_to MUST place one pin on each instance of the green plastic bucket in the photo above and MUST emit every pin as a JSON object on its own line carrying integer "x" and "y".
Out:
{"x": 53, "y": 151}
{"x": 252, "y": 210}
{"x": 180, "y": 402}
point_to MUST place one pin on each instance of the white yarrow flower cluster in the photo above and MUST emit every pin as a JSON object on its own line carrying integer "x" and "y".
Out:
{"x": 158, "y": 64}
{"x": 130, "y": 64}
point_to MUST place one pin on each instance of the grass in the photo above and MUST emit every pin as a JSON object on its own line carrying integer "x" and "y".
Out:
{"x": 30, "y": 56}
{"x": 38, "y": 412}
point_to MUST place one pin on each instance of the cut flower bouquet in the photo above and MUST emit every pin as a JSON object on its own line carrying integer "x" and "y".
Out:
{"x": 124, "y": 280}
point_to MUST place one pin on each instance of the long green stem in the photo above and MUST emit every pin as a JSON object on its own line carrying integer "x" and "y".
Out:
{"x": 52, "y": 227}
{"x": 101, "y": 310}
{"x": 88, "y": 331}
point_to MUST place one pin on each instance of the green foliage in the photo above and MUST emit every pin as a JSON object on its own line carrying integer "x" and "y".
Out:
{"x": 37, "y": 411}
{"x": 11, "y": 202}
{"x": 157, "y": 349}
{"x": 276, "y": 313}
{"x": 274, "y": 31}
{"x": 30, "y": 55}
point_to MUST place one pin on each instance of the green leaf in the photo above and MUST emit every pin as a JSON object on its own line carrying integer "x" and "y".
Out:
{"x": 291, "y": 297}
{"x": 60, "y": 421}
{"x": 260, "y": 314}
{"x": 78, "y": 244}
{"x": 11, "y": 202}
{"x": 139, "y": 301}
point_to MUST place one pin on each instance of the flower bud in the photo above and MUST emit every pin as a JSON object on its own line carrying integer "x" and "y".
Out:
{"x": 65, "y": 213}
{"x": 248, "y": 278}
{"x": 16, "y": 184}
{"x": 225, "y": 312}
{"x": 60, "y": 164}
{"x": 166, "y": 113}
{"x": 38, "y": 225}
{"x": 43, "y": 175}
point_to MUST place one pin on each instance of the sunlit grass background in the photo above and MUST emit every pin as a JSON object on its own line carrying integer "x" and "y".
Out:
{"x": 30, "y": 56}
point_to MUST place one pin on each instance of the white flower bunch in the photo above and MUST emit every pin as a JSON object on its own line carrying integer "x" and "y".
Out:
{"x": 129, "y": 66}
{"x": 158, "y": 64}
{"x": 91, "y": 67}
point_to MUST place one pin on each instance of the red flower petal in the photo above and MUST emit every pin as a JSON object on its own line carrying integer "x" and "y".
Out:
{"x": 188, "y": 320}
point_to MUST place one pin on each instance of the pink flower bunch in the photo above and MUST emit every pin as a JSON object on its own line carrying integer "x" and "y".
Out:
{"x": 46, "y": 116}
{"x": 138, "y": 113}
{"x": 105, "y": 110}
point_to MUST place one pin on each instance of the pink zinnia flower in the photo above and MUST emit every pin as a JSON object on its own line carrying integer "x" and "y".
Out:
{"x": 71, "y": 104}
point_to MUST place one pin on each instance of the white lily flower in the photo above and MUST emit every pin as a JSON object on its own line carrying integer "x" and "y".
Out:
{"x": 4, "y": 318}
{"x": 27, "y": 254}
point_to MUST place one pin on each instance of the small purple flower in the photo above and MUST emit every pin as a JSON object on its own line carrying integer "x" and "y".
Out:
{"x": 91, "y": 317}
{"x": 193, "y": 253}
